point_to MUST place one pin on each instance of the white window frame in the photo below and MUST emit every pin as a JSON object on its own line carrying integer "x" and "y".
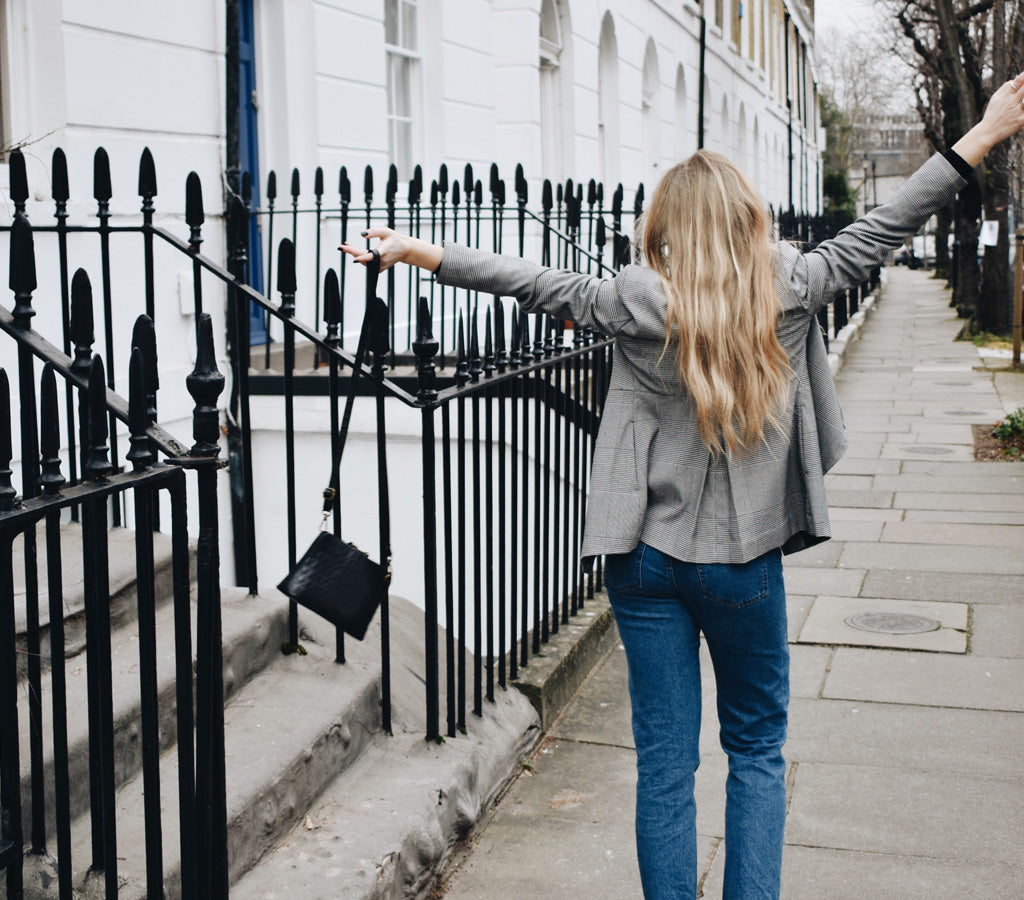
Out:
{"x": 650, "y": 114}
{"x": 404, "y": 157}
{"x": 551, "y": 111}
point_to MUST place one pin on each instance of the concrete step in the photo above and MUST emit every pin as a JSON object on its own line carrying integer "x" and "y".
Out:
{"x": 289, "y": 731}
{"x": 253, "y": 630}
{"x": 123, "y": 605}
{"x": 389, "y": 824}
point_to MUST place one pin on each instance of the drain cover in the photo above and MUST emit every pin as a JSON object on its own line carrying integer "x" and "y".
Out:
{"x": 964, "y": 412}
{"x": 927, "y": 450}
{"x": 892, "y": 623}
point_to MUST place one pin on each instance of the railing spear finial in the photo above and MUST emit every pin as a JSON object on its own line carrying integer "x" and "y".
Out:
{"x": 82, "y": 331}
{"x": 22, "y": 279}
{"x": 425, "y": 348}
{"x": 140, "y": 455}
{"x": 332, "y": 308}
{"x": 475, "y": 367}
{"x": 368, "y": 186}
{"x": 489, "y": 366}
{"x": 147, "y": 180}
{"x": 19, "y": 182}
{"x": 101, "y": 191}
{"x": 144, "y": 339}
{"x": 59, "y": 189}
{"x": 461, "y": 366}
{"x": 50, "y": 478}
{"x": 515, "y": 360}
{"x": 205, "y": 385}
{"x": 344, "y": 186}
{"x": 526, "y": 353}
{"x": 194, "y": 215}
{"x": 286, "y": 283}
{"x": 501, "y": 359}
{"x": 97, "y": 467}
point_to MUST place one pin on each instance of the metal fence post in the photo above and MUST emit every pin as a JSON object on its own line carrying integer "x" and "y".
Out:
{"x": 425, "y": 348}
{"x": 205, "y": 384}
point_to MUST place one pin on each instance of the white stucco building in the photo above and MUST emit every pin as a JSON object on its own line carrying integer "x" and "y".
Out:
{"x": 569, "y": 88}
{"x": 616, "y": 91}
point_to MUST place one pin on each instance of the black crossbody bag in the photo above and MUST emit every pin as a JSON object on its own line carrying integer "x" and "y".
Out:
{"x": 336, "y": 579}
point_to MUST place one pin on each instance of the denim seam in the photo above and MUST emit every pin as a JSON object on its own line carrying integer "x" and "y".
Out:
{"x": 638, "y": 554}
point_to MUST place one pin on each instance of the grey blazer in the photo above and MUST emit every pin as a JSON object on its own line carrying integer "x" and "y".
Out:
{"x": 653, "y": 478}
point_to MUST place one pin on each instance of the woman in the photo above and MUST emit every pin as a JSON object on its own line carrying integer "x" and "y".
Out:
{"x": 720, "y": 422}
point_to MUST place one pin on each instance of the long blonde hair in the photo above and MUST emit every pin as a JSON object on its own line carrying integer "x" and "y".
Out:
{"x": 708, "y": 235}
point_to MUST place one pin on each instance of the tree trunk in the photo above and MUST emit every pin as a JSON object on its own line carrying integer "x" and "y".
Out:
{"x": 943, "y": 221}
{"x": 992, "y": 312}
{"x": 968, "y": 281}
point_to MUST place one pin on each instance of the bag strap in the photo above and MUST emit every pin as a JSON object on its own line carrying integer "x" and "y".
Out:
{"x": 372, "y": 273}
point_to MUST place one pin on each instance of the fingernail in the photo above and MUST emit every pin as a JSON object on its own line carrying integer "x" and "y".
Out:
{"x": 362, "y": 234}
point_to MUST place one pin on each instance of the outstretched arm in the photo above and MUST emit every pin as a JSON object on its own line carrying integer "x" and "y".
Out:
{"x": 589, "y": 300}
{"x": 846, "y": 259}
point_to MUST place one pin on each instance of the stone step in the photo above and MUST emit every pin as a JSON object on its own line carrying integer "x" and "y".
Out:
{"x": 289, "y": 731}
{"x": 253, "y": 629}
{"x": 122, "y": 577}
{"x": 385, "y": 828}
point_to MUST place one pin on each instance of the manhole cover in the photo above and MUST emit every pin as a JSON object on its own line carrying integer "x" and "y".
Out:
{"x": 892, "y": 623}
{"x": 926, "y": 450}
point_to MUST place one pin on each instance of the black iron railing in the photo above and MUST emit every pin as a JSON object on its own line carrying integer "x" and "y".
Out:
{"x": 809, "y": 231}
{"x": 507, "y": 406}
{"x": 98, "y": 498}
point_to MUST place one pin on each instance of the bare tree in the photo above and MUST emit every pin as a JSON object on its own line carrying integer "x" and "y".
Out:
{"x": 961, "y": 52}
{"x": 862, "y": 81}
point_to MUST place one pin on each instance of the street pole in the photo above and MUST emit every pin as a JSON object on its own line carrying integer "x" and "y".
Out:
{"x": 1018, "y": 302}
{"x": 700, "y": 80}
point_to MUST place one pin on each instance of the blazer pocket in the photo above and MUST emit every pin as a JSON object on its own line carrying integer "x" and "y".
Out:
{"x": 615, "y": 458}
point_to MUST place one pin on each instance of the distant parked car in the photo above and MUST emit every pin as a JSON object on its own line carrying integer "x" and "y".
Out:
{"x": 905, "y": 257}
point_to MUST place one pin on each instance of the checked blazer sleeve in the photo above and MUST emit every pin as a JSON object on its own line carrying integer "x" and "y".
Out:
{"x": 846, "y": 260}
{"x": 612, "y": 306}
{"x": 652, "y": 477}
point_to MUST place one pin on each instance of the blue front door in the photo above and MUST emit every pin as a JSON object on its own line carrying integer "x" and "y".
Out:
{"x": 248, "y": 155}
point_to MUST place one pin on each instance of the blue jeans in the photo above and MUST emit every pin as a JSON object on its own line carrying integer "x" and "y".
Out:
{"x": 661, "y": 606}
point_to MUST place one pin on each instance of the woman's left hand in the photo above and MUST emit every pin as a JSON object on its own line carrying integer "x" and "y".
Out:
{"x": 393, "y": 247}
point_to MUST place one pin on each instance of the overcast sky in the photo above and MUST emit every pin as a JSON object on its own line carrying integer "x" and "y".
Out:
{"x": 844, "y": 15}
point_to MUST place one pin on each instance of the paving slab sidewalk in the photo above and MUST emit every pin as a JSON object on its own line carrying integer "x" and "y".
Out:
{"x": 906, "y": 767}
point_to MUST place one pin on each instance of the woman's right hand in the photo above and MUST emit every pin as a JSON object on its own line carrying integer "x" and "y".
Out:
{"x": 1004, "y": 117}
